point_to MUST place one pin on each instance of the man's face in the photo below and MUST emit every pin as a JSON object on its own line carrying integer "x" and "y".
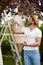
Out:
{"x": 30, "y": 21}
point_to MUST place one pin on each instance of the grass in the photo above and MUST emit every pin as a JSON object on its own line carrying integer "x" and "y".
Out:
{"x": 8, "y": 60}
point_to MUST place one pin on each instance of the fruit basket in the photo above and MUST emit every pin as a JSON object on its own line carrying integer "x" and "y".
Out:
{"x": 20, "y": 38}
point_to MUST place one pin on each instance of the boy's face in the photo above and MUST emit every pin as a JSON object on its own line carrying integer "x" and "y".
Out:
{"x": 20, "y": 13}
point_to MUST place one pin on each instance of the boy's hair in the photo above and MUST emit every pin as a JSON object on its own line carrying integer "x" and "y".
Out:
{"x": 20, "y": 9}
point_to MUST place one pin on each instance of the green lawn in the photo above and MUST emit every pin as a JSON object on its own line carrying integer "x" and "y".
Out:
{"x": 8, "y": 60}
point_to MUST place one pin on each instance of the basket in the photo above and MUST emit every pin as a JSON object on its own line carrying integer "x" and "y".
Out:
{"x": 20, "y": 38}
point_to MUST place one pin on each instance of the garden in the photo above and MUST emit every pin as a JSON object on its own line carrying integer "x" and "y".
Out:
{"x": 29, "y": 7}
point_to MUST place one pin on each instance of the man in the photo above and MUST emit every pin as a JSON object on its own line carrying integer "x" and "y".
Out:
{"x": 31, "y": 50}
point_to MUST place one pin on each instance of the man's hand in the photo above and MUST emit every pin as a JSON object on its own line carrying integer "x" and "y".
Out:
{"x": 24, "y": 44}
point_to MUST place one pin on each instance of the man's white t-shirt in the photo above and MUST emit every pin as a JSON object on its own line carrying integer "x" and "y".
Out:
{"x": 19, "y": 20}
{"x": 31, "y": 37}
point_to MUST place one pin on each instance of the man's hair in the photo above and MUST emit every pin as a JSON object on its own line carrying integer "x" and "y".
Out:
{"x": 34, "y": 21}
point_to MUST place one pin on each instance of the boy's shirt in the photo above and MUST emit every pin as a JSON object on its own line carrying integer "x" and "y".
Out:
{"x": 19, "y": 20}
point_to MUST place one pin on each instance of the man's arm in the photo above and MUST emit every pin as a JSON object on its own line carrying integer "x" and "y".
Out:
{"x": 38, "y": 41}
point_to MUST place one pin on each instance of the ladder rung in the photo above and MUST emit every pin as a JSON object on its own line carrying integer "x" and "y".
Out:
{"x": 5, "y": 34}
{"x": 11, "y": 42}
{"x": 13, "y": 50}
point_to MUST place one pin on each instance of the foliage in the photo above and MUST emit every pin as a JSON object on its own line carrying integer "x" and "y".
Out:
{"x": 41, "y": 27}
{"x": 41, "y": 48}
{"x": 8, "y": 60}
{"x": 6, "y": 49}
{"x": 26, "y": 23}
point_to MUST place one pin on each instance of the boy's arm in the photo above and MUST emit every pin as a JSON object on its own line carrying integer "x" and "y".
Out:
{"x": 17, "y": 31}
{"x": 21, "y": 24}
